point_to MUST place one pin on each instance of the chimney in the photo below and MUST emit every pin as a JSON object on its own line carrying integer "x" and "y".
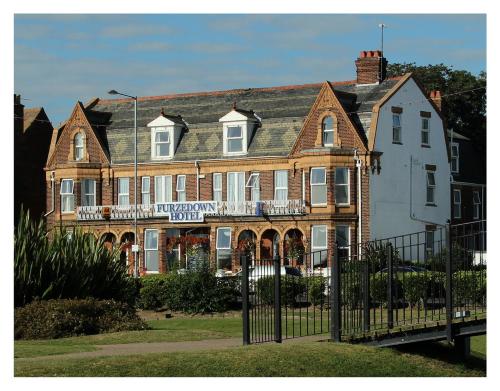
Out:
{"x": 18, "y": 114}
{"x": 436, "y": 98}
{"x": 370, "y": 67}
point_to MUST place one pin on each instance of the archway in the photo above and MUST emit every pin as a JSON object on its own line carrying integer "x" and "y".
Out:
{"x": 293, "y": 247}
{"x": 247, "y": 243}
{"x": 109, "y": 240}
{"x": 269, "y": 244}
{"x": 126, "y": 255}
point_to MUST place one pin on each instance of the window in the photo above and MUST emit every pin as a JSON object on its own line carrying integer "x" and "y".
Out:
{"x": 181, "y": 188}
{"x": 217, "y": 187}
{"x": 457, "y": 204}
{"x": 254, "y": 184}
{"x": 223, "y": 247}
{"x": 160, "y": 148}
{"x": 343, "y": 240}
{"x": 123, "y": 195}
{"x": 429, "y": 243}
{"x": 455, "y": 164}
{"x": 431, "y": 187}
{"x": 327, "y": 127}
{"x": 281, "y": 185}
{"x": 342, "y": 186}
{"x": 78, "y": 145}
{"x": 396, "y": 128}
{"x": 145, "y": 190}
{"x": 163, "y": 189}
{"x": 236, "y": 187}
{"x": 151, "y": 261}
{"x": 234, "y": 139}
{"x": 318, "y": 186}
{"x": 319, "y": 244}
{"x": 67, "y": 197}
{"x": 476, "y": 204}
{"x": 425, "y": 131}
{"x": 88, "y": 192}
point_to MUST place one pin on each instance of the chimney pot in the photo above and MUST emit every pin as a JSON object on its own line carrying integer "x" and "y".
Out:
{"x": 371, "y": 67}
{"x": 435, "y": 96}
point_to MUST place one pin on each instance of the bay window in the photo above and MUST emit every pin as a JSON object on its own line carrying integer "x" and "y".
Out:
{"x": 318, "y": 186}
{"x": 151, "y": 254}
{"x": 163, "y": 189}
{"x": 88, "y": 192}
{"x": 67, "y": 197}
{"x": 342, "y": 186}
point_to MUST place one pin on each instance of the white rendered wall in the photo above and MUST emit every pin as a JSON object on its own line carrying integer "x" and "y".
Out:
{"x": 397, "y": 204}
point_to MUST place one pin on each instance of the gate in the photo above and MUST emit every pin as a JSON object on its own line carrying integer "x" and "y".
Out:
{"x": 419, "y": 280}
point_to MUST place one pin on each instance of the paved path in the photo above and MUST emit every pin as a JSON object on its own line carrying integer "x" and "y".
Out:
{"x": 161, "y": 347}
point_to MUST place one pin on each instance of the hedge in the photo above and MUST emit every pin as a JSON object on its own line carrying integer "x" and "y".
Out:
{"x": 49, "y": 319}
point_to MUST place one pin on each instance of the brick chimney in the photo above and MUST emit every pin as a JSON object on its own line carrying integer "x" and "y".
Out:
{"x": 18, "y": 114}
{"x": 368, "y": 67}
{"x": 436, "y": 98}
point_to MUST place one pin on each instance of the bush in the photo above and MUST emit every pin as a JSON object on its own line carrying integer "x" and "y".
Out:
{"x": 316, "y": 288}
{"x": 469, "y": 286}
{"x": 416, "y": 287}
{"x": 50, "y": 319}
{"x": 69, "y": 266}
{"x": 153, "y": 291}
{"x": 291, "y": 287}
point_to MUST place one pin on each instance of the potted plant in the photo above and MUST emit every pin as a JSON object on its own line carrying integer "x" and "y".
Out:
{"x": 294, "y": 250}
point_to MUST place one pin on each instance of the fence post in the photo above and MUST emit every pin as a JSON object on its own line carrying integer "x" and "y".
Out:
{"x": 245, "y": 300}
{"x": 277, "y": 300}
{"x": 390, "y": 319}
{"x": 366, "y": 295}
{"x": 449, "y": 292}
{"x": 335, "y": 297}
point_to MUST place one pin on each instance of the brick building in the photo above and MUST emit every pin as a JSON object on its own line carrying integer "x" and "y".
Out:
{"x": 32, "y": 133}
{"x": 269, "y": 166}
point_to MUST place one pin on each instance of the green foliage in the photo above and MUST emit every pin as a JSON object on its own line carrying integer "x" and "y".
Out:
{"x": 375, "y": 253}
{"x": 197, "y": 290}
{"x": 316, "y": 289}
{"x": 469, "y": 286}
{"x": 71, "y": 266}
{"x": 465, "y": 113}
{"x": 291, "y": 287}
{"x": 48, "y": 319}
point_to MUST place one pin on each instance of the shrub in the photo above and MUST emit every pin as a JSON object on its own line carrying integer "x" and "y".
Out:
{"x": 469, "y": 286}
{"x": 69, "y": 266}
{"x": 316, "y": 289}
{"x": 153, "y": 291}
{"x": 416, "y": 287}
{"x": 48, "y": 319}
{"x": 291, "y": 287}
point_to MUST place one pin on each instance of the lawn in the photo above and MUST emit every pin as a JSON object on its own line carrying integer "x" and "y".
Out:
{"x": 299, "y": 359}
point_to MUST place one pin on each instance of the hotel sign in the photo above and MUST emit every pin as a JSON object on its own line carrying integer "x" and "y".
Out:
{"x": 185, "y": 212}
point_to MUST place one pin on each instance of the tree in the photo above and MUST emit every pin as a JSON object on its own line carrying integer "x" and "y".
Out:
{"x": 465, "y": 112}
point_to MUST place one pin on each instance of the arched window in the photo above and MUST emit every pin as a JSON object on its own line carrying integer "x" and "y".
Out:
{"x": 328, "y": 128}
{"x": 78, "y": 144}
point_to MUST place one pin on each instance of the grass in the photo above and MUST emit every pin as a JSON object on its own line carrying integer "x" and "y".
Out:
{"x": 299, "y": 359}
{"x": 167, "y": 330}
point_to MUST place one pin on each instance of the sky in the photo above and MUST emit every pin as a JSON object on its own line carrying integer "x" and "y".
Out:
{"x": 61, "y": 59}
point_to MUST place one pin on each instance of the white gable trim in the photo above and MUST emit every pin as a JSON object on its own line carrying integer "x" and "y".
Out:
{"x": 160, "y": 121}
{"x": 234, "y": 115}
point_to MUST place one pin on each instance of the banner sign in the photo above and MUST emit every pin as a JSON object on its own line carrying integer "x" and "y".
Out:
{"x": 185, "y": 212}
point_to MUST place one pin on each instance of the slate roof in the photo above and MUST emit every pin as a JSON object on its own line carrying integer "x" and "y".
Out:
{"x": 282, "y": 110}
{"x": 29, "y": 116}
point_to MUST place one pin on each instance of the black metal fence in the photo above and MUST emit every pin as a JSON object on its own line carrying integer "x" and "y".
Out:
{"x": 425, "y": 278}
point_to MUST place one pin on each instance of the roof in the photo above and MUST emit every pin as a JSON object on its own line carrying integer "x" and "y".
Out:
{"x": 456, "y": 135}
{"x": 282, "y": 111}
{"x": 30, "y": 115}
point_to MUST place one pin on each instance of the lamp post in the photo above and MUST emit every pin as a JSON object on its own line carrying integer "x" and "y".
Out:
{"x": 135, "y": 248}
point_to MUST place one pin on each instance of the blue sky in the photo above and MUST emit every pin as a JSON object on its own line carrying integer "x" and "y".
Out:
{"x": 60, "y": 59}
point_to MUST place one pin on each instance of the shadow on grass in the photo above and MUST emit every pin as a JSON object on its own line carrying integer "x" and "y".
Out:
{"x": 443, "y": 352}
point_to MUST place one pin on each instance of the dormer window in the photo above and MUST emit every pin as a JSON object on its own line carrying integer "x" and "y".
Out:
{"x": 166, "y": 131}
{"x": 328, "y": 128}
{"x": 237, "y": 128}
{"x": 78, "y": 146}
{"x": 161, "y": 143}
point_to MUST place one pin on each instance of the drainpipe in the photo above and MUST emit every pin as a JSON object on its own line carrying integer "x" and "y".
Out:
{"x": 358, "y": 173}
{"x": 197, "y": 165}
{"x": 52, "y": 180}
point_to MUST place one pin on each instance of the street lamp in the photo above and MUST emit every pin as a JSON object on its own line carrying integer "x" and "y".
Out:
{"x": 135, "y": 248}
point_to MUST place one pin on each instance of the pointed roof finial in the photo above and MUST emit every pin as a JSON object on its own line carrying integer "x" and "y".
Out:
{"x": 162, "y": 112}
{"x": 234, "y": 105}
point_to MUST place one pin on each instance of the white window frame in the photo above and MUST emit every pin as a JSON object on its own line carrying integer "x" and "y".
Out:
{"x": 79, "y": 148}
{"x": 146, "y": 190}
{"x": 457, "y": 204}
{"x": 399, "y": 128}
{"x": 167, "y": 192}
{"x": 181, "y": 192}
{"x": 217, "y": 248}
{"x": 332, "y": 131}
{"x": 237, "y": 174}
{"x": 70, "y": 195}
{"x": 348, "y": 184}
{"x": 430, "y": 186}
{"x": 147, "y": 250}
{"x": 457, "y": 157}
{"x": 348, "y": 247}
{"x": 127, "y": 179}
{"x": 254, "y": 186}
{"x": 243, "y": 125}
{"x": 315, "y": 247}
{"x": 276, "y": 188}
{"x": 161, "y": 129}
{"x": 217, "y": 190}
{"x": 318, "y": 186}
{"x": 476, "y": 206}
{"x": 425, "y": 131}
{"x": 93, "y": 181}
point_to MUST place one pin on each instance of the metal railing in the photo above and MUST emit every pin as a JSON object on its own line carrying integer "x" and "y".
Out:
{"x": 115, "y": 212}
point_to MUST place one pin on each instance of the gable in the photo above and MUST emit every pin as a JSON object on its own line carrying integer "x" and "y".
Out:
{"x": 93, "y": 149}
{"x": 328, "y": 104}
